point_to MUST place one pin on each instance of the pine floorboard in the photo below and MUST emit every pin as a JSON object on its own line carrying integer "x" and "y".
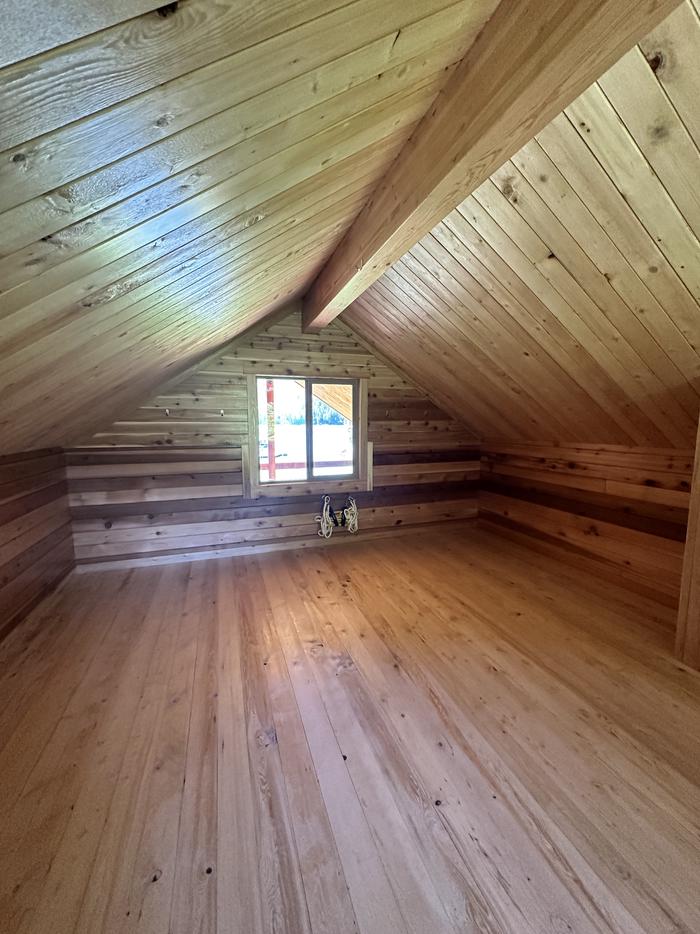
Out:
{"x": 438, "y": 733}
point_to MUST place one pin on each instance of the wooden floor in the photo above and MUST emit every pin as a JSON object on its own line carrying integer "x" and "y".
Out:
{"x": 426, "y": 735}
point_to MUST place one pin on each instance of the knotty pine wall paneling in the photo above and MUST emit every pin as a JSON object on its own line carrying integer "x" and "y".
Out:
{"x": 135, "y": 506}
{"x": 165, "y": 482}
{"x": 622, "y": 511}
{"x": 36, "y": 549}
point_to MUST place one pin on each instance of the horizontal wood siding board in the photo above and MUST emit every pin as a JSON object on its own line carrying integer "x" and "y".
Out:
{"x": 206, "y": 554}
{"x": 88, "y": 517}
{"x": 611, "y": 510}
{"x": 596, "y": 454}
{"x": 27, "y": 456}
{"x": 156, "y": 481}
{"x": 34, "y": 499}
{"x": 18, "y": 564}
{"x": 164, "y": 494}
{"x": 578, "y": 557}
{"x": 630, "y": 506}
{"x": 630, "y": 473}
{"x": 19, "y": 486}
{"x": 36, "y": 466}
{"x": 130, "y": 529}
{"x": 617, "y": 543}
{"x": 384, "y": 458}
{"x": 623, "y": 508}
{"x": 31, "y": 530}
{"x": 36, "y": 547}
{"x": 138, "y": 455}
{"x": 146, "y": 469}
{"x": 27, "y": 591}
{"x": 373, "y": 517}
{"x": 150, "y": 484}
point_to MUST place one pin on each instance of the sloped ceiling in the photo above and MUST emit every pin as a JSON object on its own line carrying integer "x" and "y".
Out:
{"x": 170, "y": 179}
{"x": 564, "y": 293}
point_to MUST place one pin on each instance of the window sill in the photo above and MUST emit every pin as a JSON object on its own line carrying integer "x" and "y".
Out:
{"x": 310, "y": 487}
{"x": 253, "y": 489}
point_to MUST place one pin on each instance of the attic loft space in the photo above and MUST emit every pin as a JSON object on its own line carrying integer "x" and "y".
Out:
{"x": 349, "y": 511}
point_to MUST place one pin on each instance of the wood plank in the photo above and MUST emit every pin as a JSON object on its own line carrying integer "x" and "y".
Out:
{"x": 563, "y": 290}
{"x": 35, "y": 27}
{"x": 470, "y": 130}
{"x": 688, "y": 623}
{"x": 171, "y": 497}
{"x": 372, "y": 739}
{"x": 626, "y": 509}
{"x": 154, "y": 157}
{"x": 36, "y": 549}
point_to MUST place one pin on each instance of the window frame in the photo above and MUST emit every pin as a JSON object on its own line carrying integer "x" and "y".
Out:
{"x": 359, "y": 480}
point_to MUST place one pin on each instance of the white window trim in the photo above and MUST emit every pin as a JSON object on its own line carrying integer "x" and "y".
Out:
{"x": 254, "y": 488}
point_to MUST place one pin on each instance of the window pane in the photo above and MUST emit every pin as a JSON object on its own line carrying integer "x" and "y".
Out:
{"x": 281, "y": 429}
{"x": 332, "y": 427}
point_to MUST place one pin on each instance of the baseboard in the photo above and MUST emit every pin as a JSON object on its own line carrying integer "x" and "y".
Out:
{"x": 574, "y": 557}
{"x": 235, "y": 551}
{"x": 47, "y": 590}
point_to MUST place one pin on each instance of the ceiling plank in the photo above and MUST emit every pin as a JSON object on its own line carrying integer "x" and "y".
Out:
{"x": 97, "y": 71}
{"x": 556, "y": 285}
{"x": 170, "y": 180}
{"x": 35, "y": 26}
{"x": 529, "y": 62}
{"x": 204, "y": 56}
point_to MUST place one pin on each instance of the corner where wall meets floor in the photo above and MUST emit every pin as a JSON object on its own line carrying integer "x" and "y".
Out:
{"x": 36, "y": 551}
{"x": 165, "y": 483}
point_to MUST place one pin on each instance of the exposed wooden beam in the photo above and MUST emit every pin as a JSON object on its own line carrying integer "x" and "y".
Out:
{"x": 528, "y": 63}
{"x": 688, "y": 626}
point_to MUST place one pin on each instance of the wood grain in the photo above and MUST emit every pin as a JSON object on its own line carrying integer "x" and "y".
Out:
{"x": 688, "y": 625}
{"x": 527, "y": 64}
{"x": 388, "y": 738}
{"x": 36, "y": 548}
{"x": 620, "y": 511}
{"x": 169, "y": 178}
{"x": 33, "y": 27}
{"x": 564, "y": 291}
{"x": 166, "y": 482}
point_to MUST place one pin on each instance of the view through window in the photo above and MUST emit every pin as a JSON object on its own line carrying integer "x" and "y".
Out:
{"x": 307, "y": 428}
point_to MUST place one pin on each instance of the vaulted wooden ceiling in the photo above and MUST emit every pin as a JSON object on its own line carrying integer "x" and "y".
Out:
{"x": 167, "y": 180}
{"x": 561, "y": 300}
{"x": 172, "y": 174}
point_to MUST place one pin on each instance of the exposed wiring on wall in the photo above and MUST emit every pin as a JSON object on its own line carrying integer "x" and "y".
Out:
{"x": 327, "y": 518}
{"x": 351, "y": 516}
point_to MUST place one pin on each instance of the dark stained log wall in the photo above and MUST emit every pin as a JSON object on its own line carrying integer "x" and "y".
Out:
{"x": 130, "y": 504}
{"x": 165, "y": 482}
{"x": 36, "y": 550}
{"x": 621, "y": 511}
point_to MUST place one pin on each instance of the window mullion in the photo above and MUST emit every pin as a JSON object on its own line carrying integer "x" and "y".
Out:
{"x": 355, "y": 429}
{"x": 309, "y": 431}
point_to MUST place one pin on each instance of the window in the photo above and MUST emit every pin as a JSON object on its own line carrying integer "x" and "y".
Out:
{"x": 308, "y": 429}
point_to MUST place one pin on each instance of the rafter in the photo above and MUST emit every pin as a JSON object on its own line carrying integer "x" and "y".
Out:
{"x": 528, "y": 63}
